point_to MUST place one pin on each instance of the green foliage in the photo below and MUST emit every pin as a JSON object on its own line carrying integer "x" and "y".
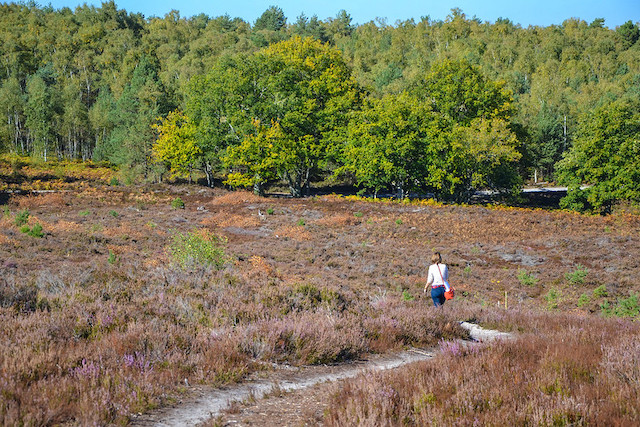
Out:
{"x": 625, "y": 307}
{"x": 22, "y": 218}
{"x": 577, "y": 276}
{"x": 404, "y": 143}
{"x": 583, "y": 300}
{"x": 600, "y": 292}
{"x": 177, "y": 203}
{"x": 35, "y": 231}
{"x": 526, "y": 278}
{"x": 112, "y": 259}
{"x": 177, "y": 145}
{"x": 300, "y": 91}
{"x": 358, "y": 214}
{"x": 398, "y": 221}
{"x": 270, "y": 211}
{"x": 406, "y": 295}
{"x": 606, "y": 156}
{"x": 198, "y": 248}
{"x": 143, "y": 99}
{"x": 391, "y": 143}
{"x": 629, "y": 32}
{"x": 85, "y": 212}
{"x": 628, "y": 307}
{"x": 300, "y": 222}
{"x": 114, "y": 182}
{"x": 553, "y": 298}
{"x": 272, "y": 19}
{"x": 459, "y": 90}
{"x": 113, "y": 213}
{"x": 96, "y": 79}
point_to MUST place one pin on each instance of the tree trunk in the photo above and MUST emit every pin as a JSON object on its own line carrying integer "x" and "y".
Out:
{"x": 208, "y": 172}
{"x": 258, "y": 186}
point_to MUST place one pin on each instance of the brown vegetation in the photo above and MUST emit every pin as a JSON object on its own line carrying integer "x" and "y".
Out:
{"x": 98, "y": 321}
{"x": 561, "y": 370}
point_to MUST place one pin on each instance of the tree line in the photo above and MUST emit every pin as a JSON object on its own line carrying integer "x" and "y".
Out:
{"x": 441, "y": 106}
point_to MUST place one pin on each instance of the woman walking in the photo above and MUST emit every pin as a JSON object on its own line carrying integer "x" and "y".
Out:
{"x": 438, "y": 279}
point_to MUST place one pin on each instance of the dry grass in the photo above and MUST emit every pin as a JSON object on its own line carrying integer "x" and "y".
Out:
{"x": 583, "y": 373}
{"x": 97, "y": 322}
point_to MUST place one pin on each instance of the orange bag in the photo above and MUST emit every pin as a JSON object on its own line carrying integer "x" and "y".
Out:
{"x": 449, "y": 294}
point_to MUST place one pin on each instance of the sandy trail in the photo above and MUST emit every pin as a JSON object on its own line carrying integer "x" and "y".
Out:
{"x": 205, "y": 403}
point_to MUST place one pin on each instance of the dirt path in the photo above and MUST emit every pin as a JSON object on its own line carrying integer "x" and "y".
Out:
{"x": 287, "y": 397}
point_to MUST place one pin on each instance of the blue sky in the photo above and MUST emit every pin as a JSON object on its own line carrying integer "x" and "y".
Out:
{"x": 525, "y": 13}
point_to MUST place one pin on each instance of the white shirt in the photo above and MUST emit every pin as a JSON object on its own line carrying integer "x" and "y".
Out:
{"x": 434, "y": 277}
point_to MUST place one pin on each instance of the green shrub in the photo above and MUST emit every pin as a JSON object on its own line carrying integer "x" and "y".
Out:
{"x": 113, "y": 213}
{"x": 577, "y": 276}
{"x": 85, "y": 212}
{"x": 399, "y": 221}
{"x": 114, "y": 182}
{"x": 600, "y": 292}
{"x": 553, "y": 298}
{"x": 406, "y": 295}
{"x": 301, "y": 222}
{"x": 197, "y": 248}
{"x": 584, "y": 300}
{"x": 526, "y": 279}
{"x": 177, "y": 203}
{"x": 628, "y": 307}
{"x": 606, "y": 308}
{"x": 22, "y": 218}
{"x": 467, "y": 271}
{"x": 358, "y": 214}
{"x": 625, "y": 307}
{"x": 36, "y": 231}
{"x": 112, "y": 259}
{"x": 270, "y": 211}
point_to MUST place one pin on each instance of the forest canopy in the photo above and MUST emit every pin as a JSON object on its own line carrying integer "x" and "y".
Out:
{"x": 428, "y": 106}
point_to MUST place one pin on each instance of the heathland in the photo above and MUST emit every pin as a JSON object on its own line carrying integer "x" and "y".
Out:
{"x": 116, "y": 299}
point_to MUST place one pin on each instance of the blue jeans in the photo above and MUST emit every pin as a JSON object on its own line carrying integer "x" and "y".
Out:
{"x": 437, "y": 295}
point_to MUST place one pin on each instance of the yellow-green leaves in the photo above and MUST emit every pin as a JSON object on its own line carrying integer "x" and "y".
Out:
{"x": 301, "y": 92}
{"x": 176, "y": 143}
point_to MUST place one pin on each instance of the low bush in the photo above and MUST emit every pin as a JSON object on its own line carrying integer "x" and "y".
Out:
{"x": 22, "y": 298}
{"x": 198, "y": 248}
{"x": 177, "y": 203}
{"x": 600, "y": 291}
{"x": 526, "y": 278}
{"x": 22, "y": 218}
{"x": 553, "y": 298}
{"x": 35, "y": 231}
{"x": 577, "y": 276}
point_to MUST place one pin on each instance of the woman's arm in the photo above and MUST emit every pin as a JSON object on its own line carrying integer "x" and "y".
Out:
{"x": 429, "y": 280}
{"x": 445, "y": 275}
